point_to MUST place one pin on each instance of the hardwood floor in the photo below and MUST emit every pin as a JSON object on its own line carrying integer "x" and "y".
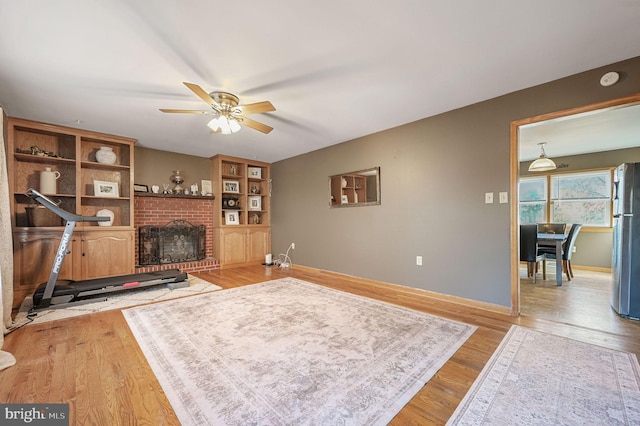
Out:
{"x": 93, "y": 362}
{"x": 584, "y": 301}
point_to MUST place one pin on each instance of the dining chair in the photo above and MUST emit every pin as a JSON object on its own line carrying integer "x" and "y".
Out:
{"x": 529, "y": 250}
{"x": 567, "y": 251}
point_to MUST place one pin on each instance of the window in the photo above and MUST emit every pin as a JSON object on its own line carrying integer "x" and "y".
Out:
{"x": 583, "y": 197}
{"x": 533, "y": 199}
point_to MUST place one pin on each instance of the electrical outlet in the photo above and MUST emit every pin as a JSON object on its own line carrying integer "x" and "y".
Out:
{"x": 573, "y": 249}
{"x": 488, "y": 197}
{"x": 504, "y": 198}
{"x": 419, "y": 260}
{"x": 293, "y": 246}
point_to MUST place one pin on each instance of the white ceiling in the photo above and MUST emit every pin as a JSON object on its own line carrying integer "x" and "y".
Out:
{"x": 595, "y": 131}
{"x": 334, "y": 70}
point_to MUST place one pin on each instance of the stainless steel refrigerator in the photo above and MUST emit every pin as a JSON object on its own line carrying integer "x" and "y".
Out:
{"x": 625, "y": 262}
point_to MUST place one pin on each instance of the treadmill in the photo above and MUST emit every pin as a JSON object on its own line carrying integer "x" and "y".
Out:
{"x": 57, "y": 293}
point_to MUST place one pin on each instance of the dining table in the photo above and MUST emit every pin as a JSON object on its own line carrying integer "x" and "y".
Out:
{"x": 556, "y": 240}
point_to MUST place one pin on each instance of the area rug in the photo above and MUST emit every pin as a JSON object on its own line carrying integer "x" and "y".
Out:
{"x": 289, "y": 352}
{"x": 114, "y": 301}
{"x": 538, "y": 378}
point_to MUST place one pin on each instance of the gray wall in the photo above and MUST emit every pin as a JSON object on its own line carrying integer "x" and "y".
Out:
{"x": 155, "y": 167}
{"x": 434, "y": 173}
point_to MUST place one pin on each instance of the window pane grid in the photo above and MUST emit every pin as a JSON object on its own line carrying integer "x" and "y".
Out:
{"x": 581, "y": 185}
{"x": 582, "y": 197}
{"x": 533, "y": 189}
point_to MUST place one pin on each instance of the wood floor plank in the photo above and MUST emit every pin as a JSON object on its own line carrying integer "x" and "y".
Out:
{"x": 94, "y": 363}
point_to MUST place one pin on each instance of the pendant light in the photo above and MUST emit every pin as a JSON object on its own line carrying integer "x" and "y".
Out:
{"x": 543, "y": 163}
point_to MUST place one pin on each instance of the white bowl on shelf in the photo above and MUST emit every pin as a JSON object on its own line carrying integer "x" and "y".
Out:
{"x": 108, "y": 213}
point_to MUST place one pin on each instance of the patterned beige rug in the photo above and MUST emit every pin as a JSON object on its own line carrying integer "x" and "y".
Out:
{"x": 538, "y": 378}
{"x": 288, "y": 352}
{"x": 114, "y": 301}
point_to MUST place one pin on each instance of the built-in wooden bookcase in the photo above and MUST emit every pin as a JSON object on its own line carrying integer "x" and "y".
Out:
{"x": 96, "y": 250}
{"x": 241, "y": 221}
{"x": 32, "y": 146}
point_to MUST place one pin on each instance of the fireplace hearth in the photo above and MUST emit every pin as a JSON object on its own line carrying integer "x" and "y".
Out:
{"x": 176, "y": 242}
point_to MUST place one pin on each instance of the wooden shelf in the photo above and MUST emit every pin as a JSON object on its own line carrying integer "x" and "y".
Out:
{"x": 249, "y": 239}
{"x": 43, "y": 159}
{"x": 74, "y": 151}
{"x": 96, "y": 165}
{"x": 97, "y": 251}
{"x": 193, "y": 197}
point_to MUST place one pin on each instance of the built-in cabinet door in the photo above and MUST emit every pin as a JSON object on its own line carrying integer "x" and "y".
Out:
{"x": 258, "y": 243}
{"x": 233, "y": 241}
{"x": 92, "y": 254}
{"x": 34, "y": 254}
{"x": 106, "y": 253}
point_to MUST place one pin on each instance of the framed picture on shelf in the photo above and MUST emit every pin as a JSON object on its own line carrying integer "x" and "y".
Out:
{"x": 140, "y": 188}
{"x": 206, "y": 187}
{"x": 231, "y": 218}
{"x": 232, "y": 186}
{"x": 255, "y": 172}
{"x": 345, "y": 199}
{"x": 103, "y": 188}
{"x": 255, "y": 202}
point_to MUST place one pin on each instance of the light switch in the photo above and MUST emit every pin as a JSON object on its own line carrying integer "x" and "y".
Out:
{"x": 488, "y": 197}
{"x": 504, "y": 197}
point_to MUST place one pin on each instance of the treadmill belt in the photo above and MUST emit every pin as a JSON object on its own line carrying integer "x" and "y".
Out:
{"x": 98, "y": 286}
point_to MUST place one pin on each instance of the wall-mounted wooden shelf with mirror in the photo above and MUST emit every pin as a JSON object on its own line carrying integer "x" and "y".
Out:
{"x": 352, "y": 189}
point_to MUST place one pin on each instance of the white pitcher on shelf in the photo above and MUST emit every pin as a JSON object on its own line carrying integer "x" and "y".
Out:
{"x": 48, "y": 178}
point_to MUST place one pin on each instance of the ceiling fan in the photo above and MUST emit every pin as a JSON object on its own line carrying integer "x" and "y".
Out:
{"x": 228, "y": 113}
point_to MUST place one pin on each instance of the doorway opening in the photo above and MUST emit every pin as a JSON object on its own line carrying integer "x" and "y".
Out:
{"x": 549, "y": 123}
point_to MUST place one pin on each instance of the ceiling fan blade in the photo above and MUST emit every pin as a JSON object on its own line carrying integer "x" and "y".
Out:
{"x": 255, "y": 125}
{"x": 184, "y": 111}
{"x": 257, "y": 107}
{"x": 201, "y": 93}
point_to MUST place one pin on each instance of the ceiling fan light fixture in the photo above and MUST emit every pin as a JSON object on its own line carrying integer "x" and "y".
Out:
{"x": 223, "y": 122}
{"x": 543, "y": 163}
{"x": 229, "y": 115}
{"x": 213, "y": 124}
{"x": 234, "y": 125}
{"x": 225, "y": 125}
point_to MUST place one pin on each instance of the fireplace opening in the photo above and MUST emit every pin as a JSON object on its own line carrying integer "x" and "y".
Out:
{"x": 176, "y": 242}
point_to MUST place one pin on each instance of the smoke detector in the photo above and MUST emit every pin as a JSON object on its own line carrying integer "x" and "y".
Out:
{"x": 609, "y": 79}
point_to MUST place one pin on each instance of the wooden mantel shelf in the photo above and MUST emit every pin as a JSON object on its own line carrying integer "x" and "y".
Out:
{"x": 193, "y": 197}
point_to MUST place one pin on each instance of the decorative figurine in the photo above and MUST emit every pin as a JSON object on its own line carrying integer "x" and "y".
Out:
{"x": 177, "y": 178}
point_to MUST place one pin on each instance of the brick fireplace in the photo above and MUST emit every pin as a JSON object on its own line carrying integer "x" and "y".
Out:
{"x": 157, "y": 209}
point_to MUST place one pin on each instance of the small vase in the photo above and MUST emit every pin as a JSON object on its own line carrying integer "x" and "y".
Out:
{"x": 105, "y": 155}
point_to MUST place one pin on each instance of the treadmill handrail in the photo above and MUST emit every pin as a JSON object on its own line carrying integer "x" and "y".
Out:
{"x": 68, "y": 216}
